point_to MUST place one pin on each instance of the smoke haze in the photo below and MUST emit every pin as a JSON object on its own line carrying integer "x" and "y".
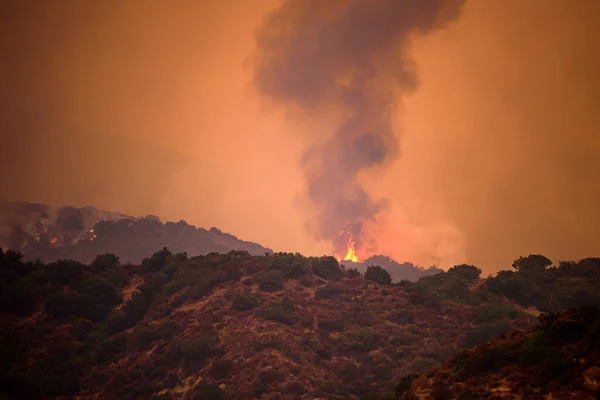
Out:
{"x": 149, "y": 107}
{"x": 349, "y": 57}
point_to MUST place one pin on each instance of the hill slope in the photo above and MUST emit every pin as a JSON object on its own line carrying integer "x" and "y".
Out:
{"x": 80, "y": 234}
{"x": 559, "y": 359}
{"x": 237, "y": 326}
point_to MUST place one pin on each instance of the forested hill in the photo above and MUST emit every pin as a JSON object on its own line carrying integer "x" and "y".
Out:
{"x": 275, "y": 326}
{"x": 80, "y": 234}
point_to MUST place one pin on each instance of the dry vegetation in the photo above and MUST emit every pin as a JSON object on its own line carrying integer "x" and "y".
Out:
{"x": 238, "y": 326}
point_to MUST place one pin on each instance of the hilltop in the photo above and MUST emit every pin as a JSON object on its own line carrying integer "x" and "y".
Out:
{"x": 239, "y": 326}
{"x": 51, "y": 234}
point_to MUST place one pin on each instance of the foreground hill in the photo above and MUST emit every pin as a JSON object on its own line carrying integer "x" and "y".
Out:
{"x": 238, "y": 326}
{"x": 80, "y": 234}
{"x": 559, "y": 359}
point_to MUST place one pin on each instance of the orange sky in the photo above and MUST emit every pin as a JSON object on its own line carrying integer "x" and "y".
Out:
{"x": 148, "y": 107}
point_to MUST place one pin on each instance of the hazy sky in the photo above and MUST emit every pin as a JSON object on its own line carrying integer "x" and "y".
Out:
{"x": 149, "y": 107}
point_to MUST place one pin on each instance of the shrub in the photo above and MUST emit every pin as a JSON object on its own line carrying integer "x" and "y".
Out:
{"x": 362, "y": 340}
{"x": 245, "y": 300}
{"x": 465, "y": 272}
{"x": 421, "y": 365}
{"x": 278, "y": 312}
{"x": 207, "y": 391}
{"x": 348, "y": 371}
{"x": 401, "y": 317}
{"x": 194, "y": 350}
{"x": 143, "y": 336}
{"x": 105, "y": 261}
{"x": 312, "y": 342}
{"x": 331, "y": 290}
{"x": 327, "y": 268}
{"x": 101, "y": 290}
{"x": 483, "y": 333}
{"x": 379, "y": 275}
{"x": 292, "y": 265}
{"x": 495, "y": 311}
{"x": 158, "y": 260}
{"x": 533, "y": 263}
{"x": 220, "y": 369}
{"x": 62, "y": 272}
{"x": 332, "y": 325}
{"x": 353, "y": 273}
{"x": 17, "y": 299}
{"x": 270, "y": 281}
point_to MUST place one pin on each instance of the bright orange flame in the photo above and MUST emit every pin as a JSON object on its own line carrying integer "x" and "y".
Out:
{"x": 351, "y": 253}
{"x": 55, "y": 241}
{"x": 94, "y": 236}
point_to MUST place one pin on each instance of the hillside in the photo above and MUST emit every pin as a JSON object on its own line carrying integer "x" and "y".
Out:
{"x": 558, "y": 359}
{"x": 238, "y": 326}
{"x": 80, "y": 234}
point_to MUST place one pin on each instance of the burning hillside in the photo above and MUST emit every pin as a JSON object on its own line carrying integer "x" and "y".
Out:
{"x": 51, "y": 234}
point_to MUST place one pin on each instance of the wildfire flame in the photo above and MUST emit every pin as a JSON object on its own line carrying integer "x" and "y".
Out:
{"x": 94, "y": 236}
{"x": 351, "y": 251}
{"x": 54, "y": 241}
{"x": 351, "y": 254}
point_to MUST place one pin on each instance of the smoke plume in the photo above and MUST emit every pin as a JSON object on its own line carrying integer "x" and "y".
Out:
{"x": 350, "y": 57}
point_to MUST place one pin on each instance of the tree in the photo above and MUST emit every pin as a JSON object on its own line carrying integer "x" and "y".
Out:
{"x": 102, "y": 262}
{"x": 379, "y": 275}
{"x": 157, "y": 260}
{"x": 532, "y": 263}
{"x": 465, "y": 272}
{"x": 327, "y": 268}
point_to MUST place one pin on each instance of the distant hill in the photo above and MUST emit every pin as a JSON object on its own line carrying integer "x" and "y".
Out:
{"x": 80, "y": 234}
{"x": 399, "y": 272}
{"x": 274, "y": 326}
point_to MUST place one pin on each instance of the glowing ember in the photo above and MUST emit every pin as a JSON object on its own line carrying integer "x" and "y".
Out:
{"x": 54, "y": 241}
{"x": 94, "y": 236}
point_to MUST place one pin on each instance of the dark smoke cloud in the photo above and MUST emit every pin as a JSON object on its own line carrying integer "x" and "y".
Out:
{"x": 352, "y": 56}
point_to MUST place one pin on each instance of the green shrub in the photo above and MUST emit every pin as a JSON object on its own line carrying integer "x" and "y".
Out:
{"x": 421, "y": 365}
{"x": 17, "y": 298}
{"x": 104, "y": 261}
{"x": 332, "y": 325}
{"x": 158, "y": 260}
{"x": 379, "y": 275}
{"x": 292, "y": 265}
{"x": 332, "y": 290}
{"x": 278, "y": 312}
{"x": 362, "y": 340}
{"x": 270, "y": 281}
{"x": 327, "y": 268}
{"x": 401, "y": 317}
{"x": 194, "y": 350}
{"x": 353, "y": 273}
{"x": 63, "y": 272}
{"x": 312, "y": 342}
{"x": 245, "y": 300}
{"x": 101, "y": 290}
{"x": 220, "y": 369}
{"x": 483, "y": 333}
{"x": 495, "y": 311}
{"x": 207, "y": 391}
{"x": 468, "y": 273}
